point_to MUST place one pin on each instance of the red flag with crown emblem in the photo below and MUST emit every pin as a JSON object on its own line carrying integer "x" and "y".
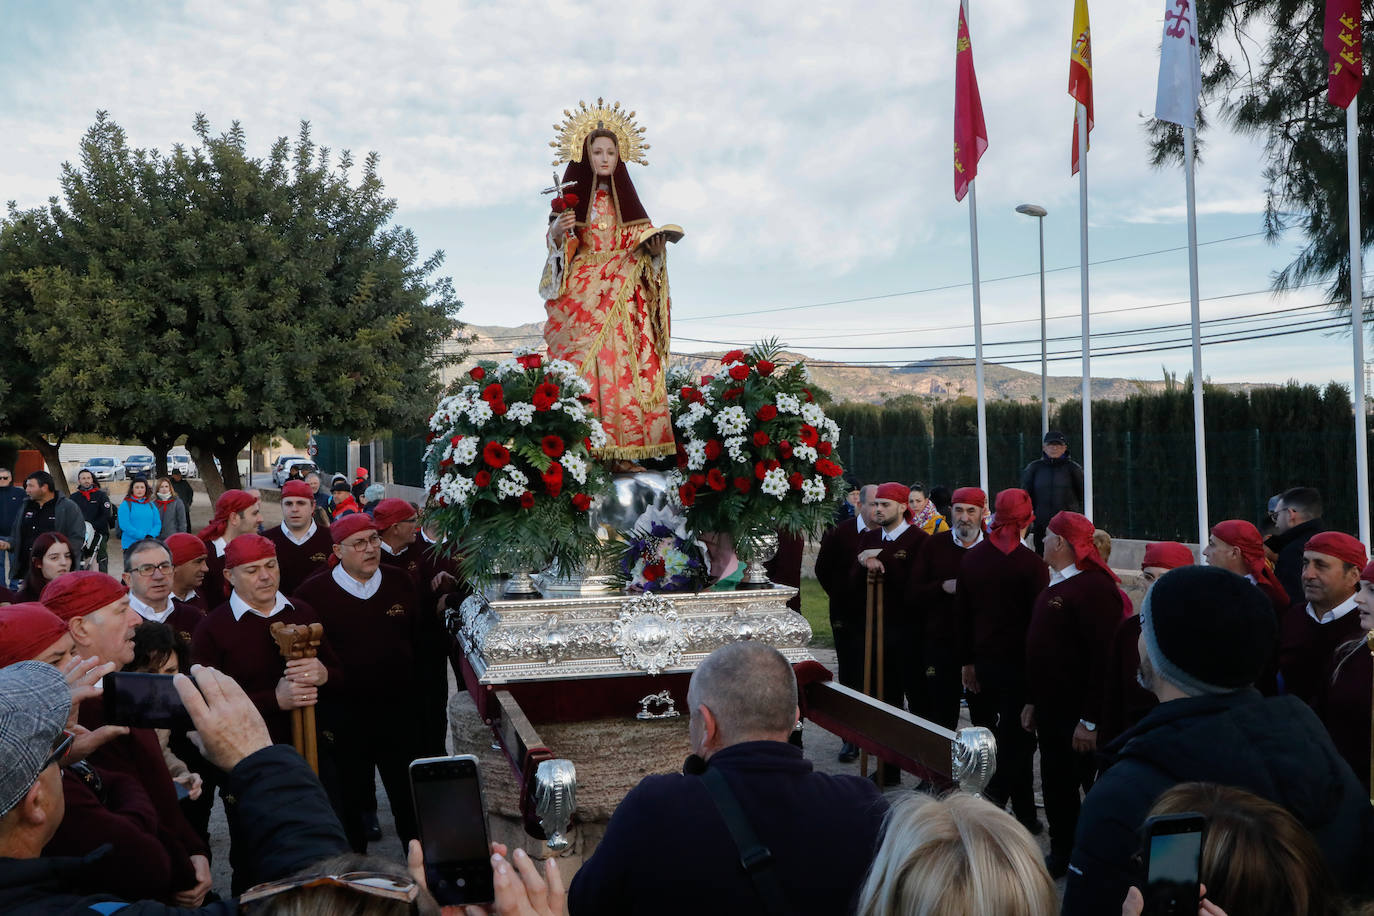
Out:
{"x": 970, "y": 132}
{"x": 1341, "y": 39}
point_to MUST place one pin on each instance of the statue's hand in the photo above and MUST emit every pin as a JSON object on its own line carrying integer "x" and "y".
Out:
{"x": 563, "y": 225}
{"x": 656, "y": 245}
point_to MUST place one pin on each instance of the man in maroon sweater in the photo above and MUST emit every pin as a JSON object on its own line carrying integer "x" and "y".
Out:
{"x": 997, "y": 585}
{"x": 1236, "y": 546}
{"x": 834, "y": 561}
{"x": 934, "y": 581}
{"x": 148, "y": 574}
{"x": 889, "y": 549}
{"x": 1325, "y": 617}
{"x": 188, "y": 569}
{"x": 368, "y": 611}
{"x": 303, "y": 547}
{"x": 1068, "y": 646}
{"x": 102, "y": 624}
{"x": 236, "y": 513}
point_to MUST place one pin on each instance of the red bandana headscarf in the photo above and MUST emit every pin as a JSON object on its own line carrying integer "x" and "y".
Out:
{"x": 1012, "y": 513}
{"x": 78, "y": 593}
{"x": 1166, "y": 555}
{"x": 1078, "y": 530}
{"x": 297, "y": 489}
{"x": 898, "y": 493}
{"x": 1245, "y": 537}
{"x": 390, "y": 511}
{"x": 1341, "y": 546}
{"x": 248, "y": 549}
{"x": 229, "y": 502}
{"x": 26, "y": 630}
{"x": 184, "y": 547}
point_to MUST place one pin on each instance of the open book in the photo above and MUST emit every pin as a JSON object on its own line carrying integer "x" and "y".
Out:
{"x": 672, "y": 232}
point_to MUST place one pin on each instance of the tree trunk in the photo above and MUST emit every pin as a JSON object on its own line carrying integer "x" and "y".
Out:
{"x": 51, "y": 457}
{"x": 159, "y": 446}
{"x": 206, "y": 450}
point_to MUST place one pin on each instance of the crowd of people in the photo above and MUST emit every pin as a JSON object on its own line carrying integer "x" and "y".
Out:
{"x": 1220, "y": 696}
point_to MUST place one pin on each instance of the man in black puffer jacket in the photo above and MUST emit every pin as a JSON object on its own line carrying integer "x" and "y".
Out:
{"x": 1055, "y": 484}
{"x": 1206, "y": 635}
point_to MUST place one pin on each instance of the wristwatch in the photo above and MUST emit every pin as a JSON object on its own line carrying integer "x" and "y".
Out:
{"x": 1090, "y": 726}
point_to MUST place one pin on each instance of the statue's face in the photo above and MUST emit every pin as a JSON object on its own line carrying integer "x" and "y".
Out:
{"x": 603, "y": 156}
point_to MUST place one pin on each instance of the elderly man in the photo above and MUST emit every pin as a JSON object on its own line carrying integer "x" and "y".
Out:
{"x": 367, "y": 610}
{"x": 934, "y": 581}
{"x": 836, "y": 556}
{"x": 996, "y": 588}
{"x": 42, "y": 510}
{"x": 1325, "y": 617}
{"x": 1067, "y": 645}
{"x": 1054, "y": 482}
{"x": 283, "y": 823}
{"x": 189, "y": 567}
{"x": 1235, "y": 545}
{"x": 1297, "y": 516}
{"x": 236, "y": 513}
{"x": 96, "y": 609}
{"x": 743, "y": 703}
{"x": 182, "y": 488}
{"x": 1205, "y": 636}
{"x": 303, "y": 547}
{"x": 148, "y": 573}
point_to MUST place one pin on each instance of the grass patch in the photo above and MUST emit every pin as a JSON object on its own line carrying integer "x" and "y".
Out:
{"x": 815, "y": 607}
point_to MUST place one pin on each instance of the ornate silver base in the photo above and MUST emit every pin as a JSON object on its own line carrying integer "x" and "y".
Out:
{"x": 521, "y": 585}
{"x": 755, "y": 577}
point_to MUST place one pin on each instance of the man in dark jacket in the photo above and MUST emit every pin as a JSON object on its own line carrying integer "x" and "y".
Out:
{"x": 281, "y": 819}
{"x": 1055, "y": 484}
{"x": 838, "y": 552}
{"x": 1297, "y": 516}
{"x": 43, "y": 510}
{"x": 11, "y": 498}
{"x": 95, "y": 507}
{"x": 182, "y": 488}
{"x": 1206, "y": 635}
{"x": 822, "y": 830}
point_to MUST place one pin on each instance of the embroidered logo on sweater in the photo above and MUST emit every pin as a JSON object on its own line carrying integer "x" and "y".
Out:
{"x": 396, "y": 610}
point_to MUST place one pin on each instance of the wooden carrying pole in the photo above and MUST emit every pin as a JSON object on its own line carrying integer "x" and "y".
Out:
{"x": 873, "y": 607}
{"x": 301, "y": 641}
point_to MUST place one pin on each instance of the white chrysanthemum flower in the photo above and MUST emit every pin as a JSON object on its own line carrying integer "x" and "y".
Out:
{"x": 574, "y": 466}
{"x": 813, "y": 415}
{"x": 521, "y": 412}
{"x": 674, "y": 478}
{"x": 775, "y": 483}
{"x": 696, "y": 454}
{"x": 694, "y": 413}
{"x": 805, "y": 453}
{"x": 506, "y": 367}
{"x": 518, "y": 352}
{"x": 561, "y": 368}
{"x": 788, "y": 403}
{"x": 813, "y": 490}
{"x": 831, "y": 432}
{"x": 479, "y": 412}
{"x": 572, "y": 407}
{"x": 734, "y": 447}
{"x": 465, "y": 451}
{"x": 598, "y": 433}
{"x": 732, "y": 421}
{"x": 509, "y": 486}
{"x": 457, "y": 489}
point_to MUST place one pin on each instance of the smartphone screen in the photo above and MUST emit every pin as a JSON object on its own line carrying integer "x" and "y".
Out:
{"x": 453, "y": 829}
{"x": 1175, "y": 859}
{"x": 142, "y": 700}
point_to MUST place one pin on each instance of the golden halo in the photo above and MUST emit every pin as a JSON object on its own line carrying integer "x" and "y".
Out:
{"x": 572, "y": 133}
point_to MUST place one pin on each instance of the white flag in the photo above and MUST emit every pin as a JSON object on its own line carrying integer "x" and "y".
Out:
{"x": 1180, "y": 66}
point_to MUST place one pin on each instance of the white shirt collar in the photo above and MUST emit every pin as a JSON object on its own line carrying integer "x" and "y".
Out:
{"x": 146, "y": 611}
{"x": 958, "y": 543}
{"x": 1060, "y": 575}
{"x": 394, "y": 553}
{"x": 859, "y": 520}
{"x": 188, "y": 597}
{"x": 896, "y": 532}
{"x": 220, "y": 545}
{"x": 363, "y": 590}
{"x": 239, "y": 607}
{"x": 1336, "y": 613}
{"x": 1251, "y": 577}
{"x": 310, "y": 533}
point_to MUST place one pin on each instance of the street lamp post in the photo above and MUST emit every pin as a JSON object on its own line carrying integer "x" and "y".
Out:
{"x": 1040, "y": 213}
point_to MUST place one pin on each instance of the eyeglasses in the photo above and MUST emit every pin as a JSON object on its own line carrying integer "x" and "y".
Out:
{"x": 360, "y": 546}
{"x": 5, "y": 477}
{"x": 60, "y": 748}
{"x": 374, "y": 884}
{"x": 147, "y": 569}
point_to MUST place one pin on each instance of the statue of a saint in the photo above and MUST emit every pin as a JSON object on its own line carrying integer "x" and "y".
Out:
{"x": 606, "y": 284}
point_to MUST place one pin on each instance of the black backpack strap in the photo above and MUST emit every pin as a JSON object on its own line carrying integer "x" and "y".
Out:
{"x": 754, "y": 857}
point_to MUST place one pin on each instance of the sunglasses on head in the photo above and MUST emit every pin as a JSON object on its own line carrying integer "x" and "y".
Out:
{"x": 374, "y": 884}
{"x": 60, "y": 747}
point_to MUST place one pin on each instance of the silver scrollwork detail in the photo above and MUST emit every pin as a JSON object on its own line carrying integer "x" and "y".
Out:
{"x": 648, "y": 634}
{"x": 664, "y": 701}
{"x": 973, "y": 754}
{"x": 555, "y": 800}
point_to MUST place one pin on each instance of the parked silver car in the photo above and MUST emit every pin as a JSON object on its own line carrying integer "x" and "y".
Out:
{"x": 104, "y": 469}
{"x": 182, "y": 463}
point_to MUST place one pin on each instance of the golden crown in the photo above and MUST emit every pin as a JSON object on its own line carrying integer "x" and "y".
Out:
{"x": 572, "y": 133}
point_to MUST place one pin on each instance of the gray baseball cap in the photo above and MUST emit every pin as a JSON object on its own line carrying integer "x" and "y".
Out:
{"x": 34, "y": 702}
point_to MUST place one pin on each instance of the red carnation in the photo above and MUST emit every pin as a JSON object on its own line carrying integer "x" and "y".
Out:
{"x": 767, "y": 412}
{"x": 447, "y": 462}
{"x": 760, "y": 469}
{"x": 687, "y": 493}
{"x": 729, "y": 394}
{"x": 715, "y": 479}
{"x": 498, "y": 408}
{"x": 553, "y": 479}
{"x": 454, "y": 440}
{"x": 493, "y": 392}
{"x": 559, "y": 205}
{"x": 697, "y": 480}
{"x": 496, "y": 454}
{"x": 477, "y": 373}
{"x": 808, "y": 434}
{"x": 742, "y": 484}
{"x": 530, "y": 360}
{"x": 828, "y": 468}
{"x": 785, "y": 448}
{"x": 739, "y": 373}
{"x": 707, "y": 379}
{"x": 482, "y": 478}
{"x": 794, "y": 480}
{"x": 552, "y": 446}
{"x": 587, "y": 441}
{"x": 581, "y": 502}
{"x": 734, "y": 356}
{"x": 654, "y": 571}
{"x": 690, "y": 394}
{"x": 527, "y": 500}
{"x": 434, "y": 488}
{"x": 545, "y": 395}
{"x": 712, "y": 449}
{"x": 764, "y": 367}
{"x": 825, "y": 448}
{"x": 761, "y": 438}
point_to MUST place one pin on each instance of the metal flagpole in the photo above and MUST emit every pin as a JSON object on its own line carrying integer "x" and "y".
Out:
{"x": 1199, "y": 433}
{"x": 1083, "y": 269}
{"x": 978, "y": 338}
{"x": 1044, "y": 356}
{"x": 1352, "y": 169}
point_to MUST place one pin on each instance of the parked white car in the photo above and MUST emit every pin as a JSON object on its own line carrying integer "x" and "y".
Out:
{"x": 182, "y": 463}
{"x": 104, "y": 469}
{"x": 282, "y": 469}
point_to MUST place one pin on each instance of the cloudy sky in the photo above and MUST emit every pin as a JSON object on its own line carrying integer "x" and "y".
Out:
{"x": 806, "y": 151}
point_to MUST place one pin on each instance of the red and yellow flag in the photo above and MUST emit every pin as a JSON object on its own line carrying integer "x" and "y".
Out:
{"x": 1341, "y": 39}
{"x": 970, "y": 133}
{"x": 1081, "y": 73}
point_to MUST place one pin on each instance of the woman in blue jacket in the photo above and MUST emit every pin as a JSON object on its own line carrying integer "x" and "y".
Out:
{"x": 138, "y": 517}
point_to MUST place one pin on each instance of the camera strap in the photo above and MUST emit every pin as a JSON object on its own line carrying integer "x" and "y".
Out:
{"x": 754, "y": 857}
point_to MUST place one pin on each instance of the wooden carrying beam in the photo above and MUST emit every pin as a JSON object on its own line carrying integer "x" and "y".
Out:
{"x": 525, "y": 750}
{"x": 914, "y": 744}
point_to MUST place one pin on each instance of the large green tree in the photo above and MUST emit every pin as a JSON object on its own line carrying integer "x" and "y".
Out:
{"x": 215, "y": 295}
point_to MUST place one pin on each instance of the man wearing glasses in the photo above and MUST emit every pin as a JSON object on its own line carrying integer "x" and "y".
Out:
{"x": 1297, "y": 516}
{"x": 11, "y": 498}
{"x": 148, "y": 572}
{"x": 368, "y": 614}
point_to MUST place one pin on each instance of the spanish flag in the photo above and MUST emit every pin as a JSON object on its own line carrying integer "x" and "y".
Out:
{"x": 1081, "y": 73}
{"x": 970, "y": 133}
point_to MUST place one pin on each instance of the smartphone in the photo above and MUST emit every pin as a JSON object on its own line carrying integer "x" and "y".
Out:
{"x": 453, "y": 829}
{"x": 144, "y": 701}
{"x": 1173, "y": 862}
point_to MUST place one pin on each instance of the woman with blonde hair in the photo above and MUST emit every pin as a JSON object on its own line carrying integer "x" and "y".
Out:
{"x": 956, "y": 856}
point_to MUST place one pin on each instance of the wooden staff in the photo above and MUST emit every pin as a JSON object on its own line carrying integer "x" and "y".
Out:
{"x": 301, "y": 641}
{"x": 873, "y": 599}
